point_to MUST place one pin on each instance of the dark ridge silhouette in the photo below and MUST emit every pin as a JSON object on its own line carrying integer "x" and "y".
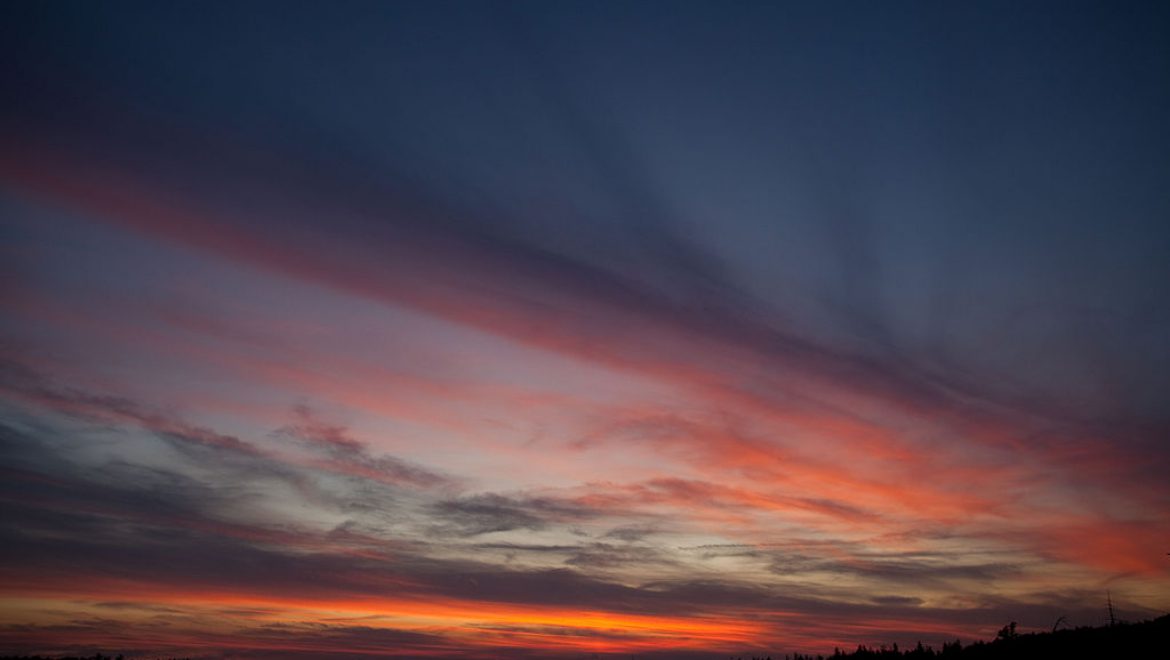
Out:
{"x": 1148, "y": 639}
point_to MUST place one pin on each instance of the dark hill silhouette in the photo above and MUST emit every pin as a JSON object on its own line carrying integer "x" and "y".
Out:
{"x": 1123, "y": 641}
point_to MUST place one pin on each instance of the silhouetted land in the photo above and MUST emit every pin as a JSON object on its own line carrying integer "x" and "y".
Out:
{"x": 1124, "y": 641}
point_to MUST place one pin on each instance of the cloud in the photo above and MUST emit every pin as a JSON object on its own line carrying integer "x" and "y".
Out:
{"x": 492, "y": 512}
{"x": 396, "y": 538}
{"x": 606, "y": 556}
{"x": 629, "y": 533}
{"x": 352, "y": 457}
{"x": 20, "y": 380}
{"x": 900, "y": 601}
{"x": 342, "y": 455}
{"x": 526, "y": 292}
{"x": 906, "y": 569}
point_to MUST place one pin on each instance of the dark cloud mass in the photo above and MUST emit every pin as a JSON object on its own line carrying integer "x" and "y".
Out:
{"x": 526, "y": 329}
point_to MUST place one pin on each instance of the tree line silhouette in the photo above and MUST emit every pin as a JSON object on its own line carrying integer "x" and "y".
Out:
{"x": 1148, "y": 639}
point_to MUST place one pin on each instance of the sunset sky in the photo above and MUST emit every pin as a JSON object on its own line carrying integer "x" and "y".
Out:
{"x": 554, "y": 329}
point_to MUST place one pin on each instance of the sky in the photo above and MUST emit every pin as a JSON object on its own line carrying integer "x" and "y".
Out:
{"x": 572, "y": 330}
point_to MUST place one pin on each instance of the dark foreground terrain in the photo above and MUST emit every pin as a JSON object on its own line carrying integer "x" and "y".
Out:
{"x": 1123, "y": 641}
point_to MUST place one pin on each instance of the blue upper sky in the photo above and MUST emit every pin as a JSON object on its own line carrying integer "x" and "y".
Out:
{"x": 969, "y": 185}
